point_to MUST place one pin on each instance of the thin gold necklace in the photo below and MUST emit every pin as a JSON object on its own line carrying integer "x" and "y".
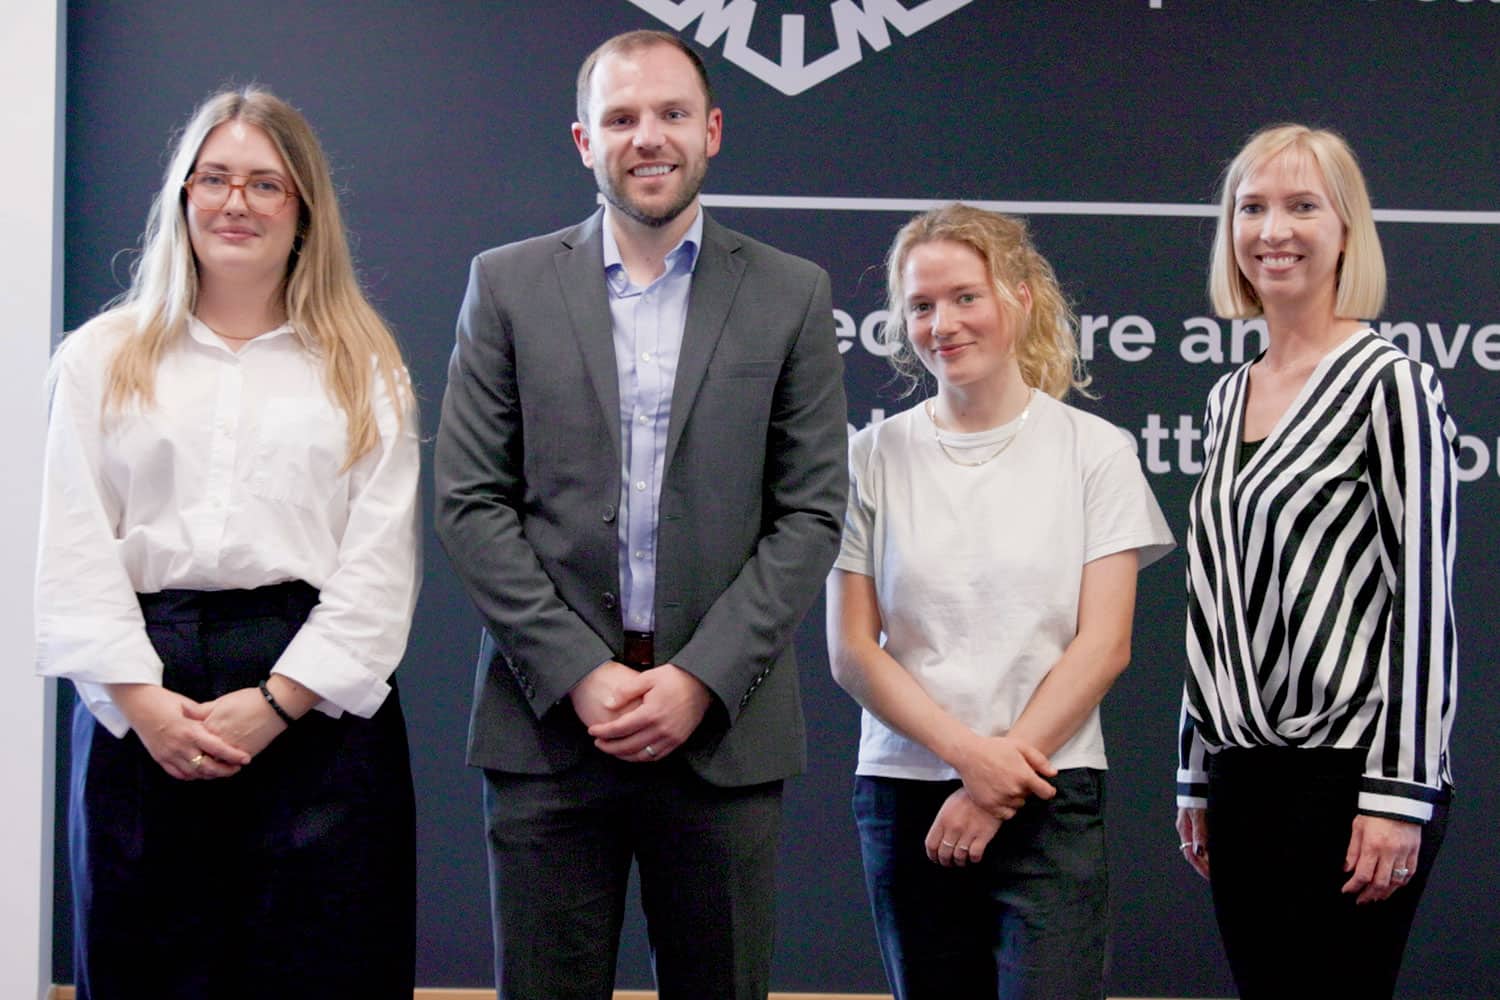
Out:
{"x": 948, "y": 453}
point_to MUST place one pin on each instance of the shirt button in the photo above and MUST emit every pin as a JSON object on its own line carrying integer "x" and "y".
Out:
{"x": 645, "y": 355}
{"x": 643, "y": 419}
{"x": 640, "y": 487}
{"x": 639, "y": 554}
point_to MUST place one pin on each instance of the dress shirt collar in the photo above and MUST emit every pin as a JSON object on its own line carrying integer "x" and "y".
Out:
{"x": 686, "y": 251}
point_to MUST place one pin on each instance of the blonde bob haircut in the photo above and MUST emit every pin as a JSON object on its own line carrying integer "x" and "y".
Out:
{"x": 321, "y": 294}
{"x": 1360, "y": 275}
{"x": 1047, "y": 345}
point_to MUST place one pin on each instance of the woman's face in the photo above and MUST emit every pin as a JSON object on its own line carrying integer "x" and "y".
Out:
{"x": 234, "y": 242}
{"x": 959, "y": 327}
{"x": 1287, "y": 236}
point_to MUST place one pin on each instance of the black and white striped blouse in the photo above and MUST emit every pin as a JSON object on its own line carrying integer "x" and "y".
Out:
{"x": 1320, "y": 575}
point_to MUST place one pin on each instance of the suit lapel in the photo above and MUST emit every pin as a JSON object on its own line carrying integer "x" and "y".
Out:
{"x": 580, "y": 271}
{"x": 716, "y": 278}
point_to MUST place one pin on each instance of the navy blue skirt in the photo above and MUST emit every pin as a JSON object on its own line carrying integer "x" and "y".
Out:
{"x": 294, "y": 878}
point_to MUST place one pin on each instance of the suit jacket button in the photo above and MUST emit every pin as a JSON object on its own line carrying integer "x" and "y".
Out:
{"x": 608, "y": 600}
{"x": 609, "y": 515}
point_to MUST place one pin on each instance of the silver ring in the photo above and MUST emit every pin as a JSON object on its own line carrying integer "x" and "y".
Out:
{"x": 197, "y": 761}
{"x": 650, "y": 750}
{"x": 1400, "y": 874}
{"x": 1184, "y": 845}
{"x": 949, "y": 843}
{"x": 960, "y": 847}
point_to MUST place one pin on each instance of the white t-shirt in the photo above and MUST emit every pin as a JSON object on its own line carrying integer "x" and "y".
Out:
{"x": 977, "y": 568}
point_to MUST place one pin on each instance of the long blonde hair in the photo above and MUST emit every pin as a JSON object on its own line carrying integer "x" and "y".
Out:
{"x": 1047, "y": 347}
{"x": 322, "y": 297}
{"x": 1361, "y": 269}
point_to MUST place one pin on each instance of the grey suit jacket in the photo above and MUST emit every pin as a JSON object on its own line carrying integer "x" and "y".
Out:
{"x": 527, "y": 475}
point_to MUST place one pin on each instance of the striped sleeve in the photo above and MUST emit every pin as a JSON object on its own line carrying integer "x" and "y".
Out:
{"x": 1412, "y": 472}
{"x": 1192, "y": 753}
{"x": 1192, "y": 763}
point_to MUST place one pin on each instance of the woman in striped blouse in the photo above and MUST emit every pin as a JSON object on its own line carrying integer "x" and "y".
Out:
{"x": 1314, "y": 767}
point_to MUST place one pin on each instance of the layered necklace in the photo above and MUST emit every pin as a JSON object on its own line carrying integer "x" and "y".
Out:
{"x": 955, "y": 455}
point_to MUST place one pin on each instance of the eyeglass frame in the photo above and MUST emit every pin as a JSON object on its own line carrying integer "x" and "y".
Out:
{"x": 241, "y": 187}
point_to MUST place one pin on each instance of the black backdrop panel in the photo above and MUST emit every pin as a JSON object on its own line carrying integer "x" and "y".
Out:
{"x": 448, "y": 127}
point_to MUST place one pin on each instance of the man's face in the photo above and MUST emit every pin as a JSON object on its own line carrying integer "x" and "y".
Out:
{"x": 650, "y": 133}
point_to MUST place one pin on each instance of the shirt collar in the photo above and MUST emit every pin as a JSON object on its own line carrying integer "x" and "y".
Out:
{"x": 200, "y": 332}
{"x": 686, "y": 252}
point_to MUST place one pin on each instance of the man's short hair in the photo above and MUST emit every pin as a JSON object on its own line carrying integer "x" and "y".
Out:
{"x": 632, "y": 41}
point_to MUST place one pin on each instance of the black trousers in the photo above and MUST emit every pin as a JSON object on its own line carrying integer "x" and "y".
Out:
{"x": 294, "y": 878}
{"x": 1279, "y": 821}
{"x": 560, "y": 851}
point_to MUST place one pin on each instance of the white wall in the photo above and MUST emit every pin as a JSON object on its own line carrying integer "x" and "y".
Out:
{"x": 31, "y": 121}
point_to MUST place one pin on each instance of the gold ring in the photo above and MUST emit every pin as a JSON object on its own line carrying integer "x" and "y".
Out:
{"x": 197, "y": 761}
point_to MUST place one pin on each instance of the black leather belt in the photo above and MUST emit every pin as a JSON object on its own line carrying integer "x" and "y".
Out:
{"x": 639, "y": 650}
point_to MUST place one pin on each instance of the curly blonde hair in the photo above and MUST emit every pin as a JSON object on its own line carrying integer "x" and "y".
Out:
{"x": 322, "y": 297}
{"x": 1047, "y": 347}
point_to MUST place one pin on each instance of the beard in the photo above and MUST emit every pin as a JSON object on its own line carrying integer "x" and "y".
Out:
{"x": 613, "y": 191}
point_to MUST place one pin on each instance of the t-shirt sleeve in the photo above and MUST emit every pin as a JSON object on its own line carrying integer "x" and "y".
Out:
{"x": 1120, "y": 511}
{"x": 855, "y": 551}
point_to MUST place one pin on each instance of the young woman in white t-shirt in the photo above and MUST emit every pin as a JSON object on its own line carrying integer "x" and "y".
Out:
{"x": 979, "y": 610}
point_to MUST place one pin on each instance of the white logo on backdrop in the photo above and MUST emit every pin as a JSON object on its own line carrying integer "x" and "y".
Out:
{"x": 793, "y": 74}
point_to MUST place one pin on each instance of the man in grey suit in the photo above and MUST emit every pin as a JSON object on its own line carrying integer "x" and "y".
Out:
{"x": 640, "y": 478}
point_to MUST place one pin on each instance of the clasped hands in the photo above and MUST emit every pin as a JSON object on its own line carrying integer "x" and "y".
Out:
{"x": 640, "y": 716}
{"x": 999, "y": 774}
{"x": 194, "y": 740}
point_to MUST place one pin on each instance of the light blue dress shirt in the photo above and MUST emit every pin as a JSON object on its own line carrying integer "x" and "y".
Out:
{"x": 647, "y": 325}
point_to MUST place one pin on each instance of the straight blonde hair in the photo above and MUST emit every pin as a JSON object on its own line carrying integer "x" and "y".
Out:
{"x": 1047, "y": 347}
{"x": 1360, "y": 275}
{"x": 321, "y": 293}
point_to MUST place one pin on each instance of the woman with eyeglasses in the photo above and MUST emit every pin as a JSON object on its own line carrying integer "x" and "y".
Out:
{"x": 979, "y": 610}
{"x": 1314, "y": 776}
{"x": 227, "y": 569}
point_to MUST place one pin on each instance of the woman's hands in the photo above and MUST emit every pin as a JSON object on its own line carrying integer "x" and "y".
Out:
{"x": 1192, "y": 832}
{"x": 1000, "y": 773}
{"x": 1381, "y": 858}
{"x": 245, "y": 719}
{"x": 214, "y": 739}
{"x": 173, "y": 730}
{"x": 961, "y": 831}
